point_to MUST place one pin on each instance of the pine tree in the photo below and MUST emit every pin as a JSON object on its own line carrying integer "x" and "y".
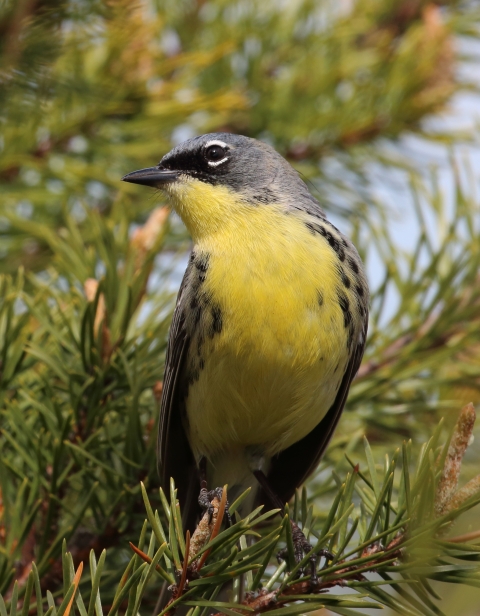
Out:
{"x": 92, "y": 89}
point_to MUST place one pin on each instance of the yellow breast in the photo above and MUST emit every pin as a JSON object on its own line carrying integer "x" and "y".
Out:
{"x": 272, "y": 371}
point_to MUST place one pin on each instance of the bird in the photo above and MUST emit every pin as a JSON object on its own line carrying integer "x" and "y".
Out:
{"x": 269, "y": 326}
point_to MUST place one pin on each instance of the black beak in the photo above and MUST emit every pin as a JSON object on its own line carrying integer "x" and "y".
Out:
{"x": 153, "y": 176}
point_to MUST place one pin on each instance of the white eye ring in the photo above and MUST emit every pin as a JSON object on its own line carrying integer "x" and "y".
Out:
{"x": 221, "y": 144}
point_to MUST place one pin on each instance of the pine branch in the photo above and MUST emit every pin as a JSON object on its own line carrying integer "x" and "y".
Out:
{"x": 202, "y": 565}
{"x": 83, "y": 325}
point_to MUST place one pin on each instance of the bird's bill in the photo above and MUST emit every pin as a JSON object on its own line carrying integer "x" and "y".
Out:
{"x": 152, "y": 176}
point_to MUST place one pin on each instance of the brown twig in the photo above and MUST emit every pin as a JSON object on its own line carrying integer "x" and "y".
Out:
{"x": 216, "y": 527}
{"x": 207, "y": 529}
{"x": 264, "y": 601}
{"x": 203, "y": 532}
{"x": 475, "y": 534}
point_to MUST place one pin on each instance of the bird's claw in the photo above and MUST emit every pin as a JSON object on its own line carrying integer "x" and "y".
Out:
{"x": 205, "y": 501}
{"x": 301, "y": 547}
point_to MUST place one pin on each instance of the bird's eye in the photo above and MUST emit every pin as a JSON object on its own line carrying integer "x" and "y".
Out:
{"x": 215, "y": 153}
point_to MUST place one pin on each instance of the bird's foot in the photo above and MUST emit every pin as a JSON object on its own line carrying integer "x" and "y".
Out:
{"x": 301, "y": 547}
{"x": 205, "y": 501}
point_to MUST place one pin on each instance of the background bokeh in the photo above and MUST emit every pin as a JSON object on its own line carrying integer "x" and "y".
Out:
{"x": 376, "y": 104}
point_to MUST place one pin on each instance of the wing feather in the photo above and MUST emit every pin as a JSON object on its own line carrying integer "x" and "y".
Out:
{"x": 175, "y": 457}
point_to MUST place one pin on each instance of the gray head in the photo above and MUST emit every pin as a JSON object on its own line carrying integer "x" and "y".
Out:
{"x": 218, "y": 174}
{"x": 245, "y": 165}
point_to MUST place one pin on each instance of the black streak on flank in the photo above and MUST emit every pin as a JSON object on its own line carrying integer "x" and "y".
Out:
{"x": 359, "y": 290}
{"x": 350, "y": 336}
{"x": 333, "y": 241}
{"x": 353, "y": 264}
{"x": 338, "y": 244}
{"x": 314, "y": 228}
{"x": 345, "y": 279}
{"x": 201, "y": 263}
{"x": 199, "y": 300}
{"x": 216, "y": 327}
{"x": 320, "y": 298}
{"x": 199, "y": 345}
{"x": 195, "y": 367}
{"x": 194, "y": 376}
{"x": 197, "y": 311}
{"x": 345, "y": 306}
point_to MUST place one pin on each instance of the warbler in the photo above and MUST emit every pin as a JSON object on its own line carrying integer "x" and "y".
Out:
{"x": 269, "y": 326}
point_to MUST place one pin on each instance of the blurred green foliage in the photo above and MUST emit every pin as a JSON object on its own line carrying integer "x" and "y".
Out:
{"x": 92, "y": 89}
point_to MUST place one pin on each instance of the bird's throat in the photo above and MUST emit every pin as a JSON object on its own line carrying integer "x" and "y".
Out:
{"x": 204, "y": 208}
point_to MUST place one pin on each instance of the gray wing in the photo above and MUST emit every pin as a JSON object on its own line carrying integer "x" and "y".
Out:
{"x": 175, "y": 458}
{"x": 291, "y": 467}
